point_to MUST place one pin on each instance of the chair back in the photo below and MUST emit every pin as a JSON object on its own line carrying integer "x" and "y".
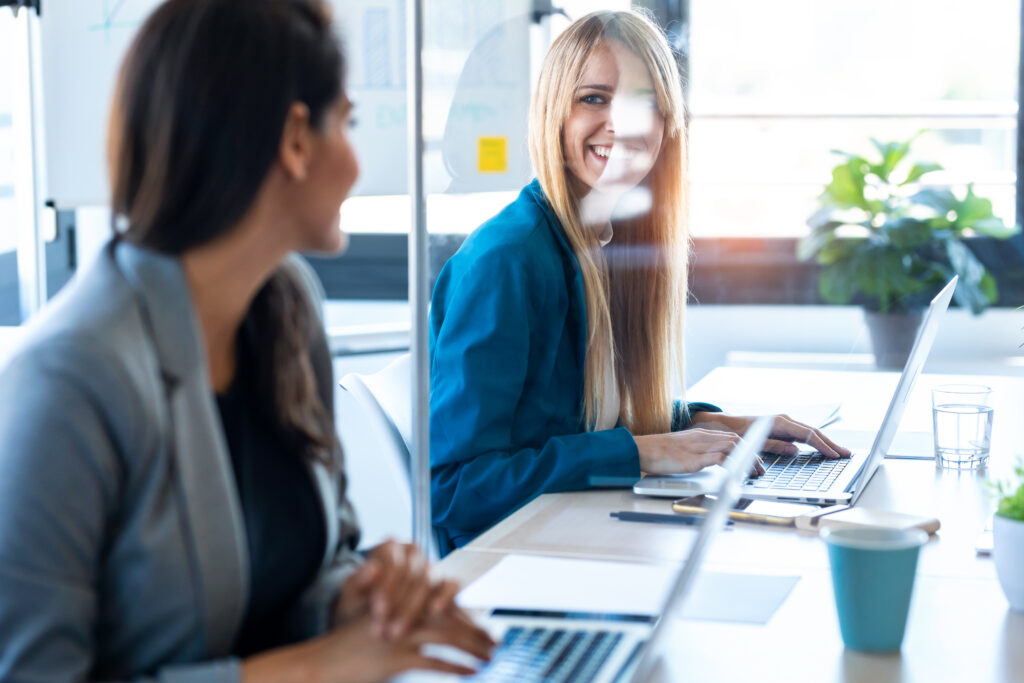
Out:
{"x": 385, "y": 398}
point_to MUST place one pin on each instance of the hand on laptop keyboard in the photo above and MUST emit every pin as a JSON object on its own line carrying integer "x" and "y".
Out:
{"x": 687, "y": 451}
{"x": 785, "y": 434}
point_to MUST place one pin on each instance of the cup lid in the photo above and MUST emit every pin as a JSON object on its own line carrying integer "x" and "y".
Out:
{"x": 874, "y": 538}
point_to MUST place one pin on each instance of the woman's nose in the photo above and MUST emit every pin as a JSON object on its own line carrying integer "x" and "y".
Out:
{"x": 631, "y": 117}
{"x": 609, "y": 122}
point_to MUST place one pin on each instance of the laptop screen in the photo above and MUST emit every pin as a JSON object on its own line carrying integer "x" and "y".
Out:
{"x": 915, "y": 363}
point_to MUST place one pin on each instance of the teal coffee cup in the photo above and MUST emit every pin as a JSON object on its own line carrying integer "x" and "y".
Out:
{"x": 873, "y": 577}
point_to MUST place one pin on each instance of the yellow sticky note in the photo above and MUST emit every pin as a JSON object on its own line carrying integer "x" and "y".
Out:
{"x": 492, "y": 155}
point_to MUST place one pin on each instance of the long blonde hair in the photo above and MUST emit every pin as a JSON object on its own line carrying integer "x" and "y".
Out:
{"x": 636, "y": 297}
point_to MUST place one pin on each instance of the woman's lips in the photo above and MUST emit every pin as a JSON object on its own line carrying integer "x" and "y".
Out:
{"x": 606, "y": 152}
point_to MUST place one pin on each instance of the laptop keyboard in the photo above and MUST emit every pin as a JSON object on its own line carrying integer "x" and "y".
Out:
{"x": 801, "y": 472}
{"x": 547, "y": 654}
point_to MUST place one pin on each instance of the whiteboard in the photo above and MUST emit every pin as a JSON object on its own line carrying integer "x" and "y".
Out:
{"x": 84, "y": 41}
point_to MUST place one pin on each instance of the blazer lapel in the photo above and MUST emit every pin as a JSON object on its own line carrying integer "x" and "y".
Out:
{"x": 577, "y": 302}
{"x": 206, "y": 485}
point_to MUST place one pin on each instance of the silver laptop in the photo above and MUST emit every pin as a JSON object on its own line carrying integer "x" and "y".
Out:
{"x": 609, "y": 648}
{"x": 810, "y": 477}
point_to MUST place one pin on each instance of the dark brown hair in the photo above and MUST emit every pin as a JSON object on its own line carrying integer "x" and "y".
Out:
{"x": 195, "y": 127}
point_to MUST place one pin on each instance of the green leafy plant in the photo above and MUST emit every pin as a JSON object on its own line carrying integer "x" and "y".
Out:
{"x": 882, "y": 232}
{"x": 1011, "y": 495}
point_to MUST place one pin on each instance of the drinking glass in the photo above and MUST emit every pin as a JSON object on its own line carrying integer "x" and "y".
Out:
{"x": 962, "y": 420}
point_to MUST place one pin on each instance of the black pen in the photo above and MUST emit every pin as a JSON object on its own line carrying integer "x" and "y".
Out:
{"x": 657, "y": 518}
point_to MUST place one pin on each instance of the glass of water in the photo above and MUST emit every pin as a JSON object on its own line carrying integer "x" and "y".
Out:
{"x": 962, "y": 419}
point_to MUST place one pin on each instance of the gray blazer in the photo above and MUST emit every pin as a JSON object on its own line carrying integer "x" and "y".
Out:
{"x": 123, "y": 552}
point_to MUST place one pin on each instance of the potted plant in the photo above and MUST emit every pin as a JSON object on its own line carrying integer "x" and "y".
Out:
{"x": 881, "y": 231}
{"x": 1008, "y": 538}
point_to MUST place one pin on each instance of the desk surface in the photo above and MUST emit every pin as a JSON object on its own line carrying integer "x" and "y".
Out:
{"x": 960, "y": 627}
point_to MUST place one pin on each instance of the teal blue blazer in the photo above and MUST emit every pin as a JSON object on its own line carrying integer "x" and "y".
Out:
{"x": 507, "y": 343}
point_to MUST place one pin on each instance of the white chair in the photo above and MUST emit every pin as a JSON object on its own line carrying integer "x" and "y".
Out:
{"x": 386, "y": 400}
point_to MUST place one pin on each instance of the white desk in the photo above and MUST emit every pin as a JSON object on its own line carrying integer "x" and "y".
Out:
{"x": 959, "y": 629}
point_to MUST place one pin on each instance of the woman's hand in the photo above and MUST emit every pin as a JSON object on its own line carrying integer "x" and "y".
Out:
{"x": 394, "y": 587}
{"x": 353, "y": 653}
{"x": 687, "y": 451}
{"x": 784, "y": 432}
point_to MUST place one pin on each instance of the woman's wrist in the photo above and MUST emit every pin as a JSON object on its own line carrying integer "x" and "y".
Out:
{"x": 733, "y": 423}
{"x": 283, "y": 665}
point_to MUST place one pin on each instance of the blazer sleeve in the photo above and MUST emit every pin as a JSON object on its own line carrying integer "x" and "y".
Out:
{"x": 59, "y": 490}
{"x": 479, "y": 368}
{"x": 681, "y": 417}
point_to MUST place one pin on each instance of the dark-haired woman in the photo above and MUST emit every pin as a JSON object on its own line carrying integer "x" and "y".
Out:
{"x": 172, "y": 502}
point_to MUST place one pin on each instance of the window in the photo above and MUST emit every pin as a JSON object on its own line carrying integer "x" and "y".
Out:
{"x": 10, "y": 308}
{"x": 774, "y": 87}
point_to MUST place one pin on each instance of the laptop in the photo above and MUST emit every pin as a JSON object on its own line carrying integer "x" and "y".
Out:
{"x": 608, "y": 648}
{"x": 809, "y": 477}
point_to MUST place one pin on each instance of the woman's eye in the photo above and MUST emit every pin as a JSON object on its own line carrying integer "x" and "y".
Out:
{"x": 592, "y": 99}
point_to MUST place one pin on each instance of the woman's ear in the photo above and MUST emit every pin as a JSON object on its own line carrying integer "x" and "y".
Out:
{"x": 296, "y": 150}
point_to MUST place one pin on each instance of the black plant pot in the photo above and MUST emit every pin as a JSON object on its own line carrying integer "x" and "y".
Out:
{"x": 892, "y": 336}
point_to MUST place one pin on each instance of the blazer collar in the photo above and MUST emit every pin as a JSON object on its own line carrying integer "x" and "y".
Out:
{"x": 206, "y": 482}
{"x": 536, "y": 193}
{"x": 165, "y": 300}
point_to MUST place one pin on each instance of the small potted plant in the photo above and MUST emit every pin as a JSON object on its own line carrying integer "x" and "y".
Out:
{"x": 1008, "y": 538}
{"x": 882, "y": 232}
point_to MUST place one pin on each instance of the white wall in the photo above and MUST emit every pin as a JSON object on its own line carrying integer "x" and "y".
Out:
{"x": 988, "y": 343}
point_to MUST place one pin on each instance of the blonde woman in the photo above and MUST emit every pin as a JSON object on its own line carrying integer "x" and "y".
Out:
{"x": 557, "y": 329}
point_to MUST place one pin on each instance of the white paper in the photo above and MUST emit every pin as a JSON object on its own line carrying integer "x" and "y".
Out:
{"x": 571, "y": 585}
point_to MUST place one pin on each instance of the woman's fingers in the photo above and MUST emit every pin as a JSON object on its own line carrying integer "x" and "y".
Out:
{"x": 448, "y": 631}
{"x": 443, "y": 598}
{"x": 722, "y": 449}
{"x": 712, "y": 456}
{"x": 355, "y": 592}
{"x": 395, "y": 587}
{"x": 480, "y": 635}
{"x": 786, "y": 428}
{"x": 687, "y": 451}
{"x": 390, "y": 555}
{"x": 420, "y": 662}
{"x": 841, "y": 450}
{"x": 413, "y": 594}
{"x": 780, "y": 447}
{"x": 460, "y": 615}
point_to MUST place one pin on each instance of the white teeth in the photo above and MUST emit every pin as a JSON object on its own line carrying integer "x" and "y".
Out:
{"x": 615, "y": 152}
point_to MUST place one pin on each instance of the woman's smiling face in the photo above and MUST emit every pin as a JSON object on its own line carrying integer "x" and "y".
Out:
{"x": 614, "y": 131}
